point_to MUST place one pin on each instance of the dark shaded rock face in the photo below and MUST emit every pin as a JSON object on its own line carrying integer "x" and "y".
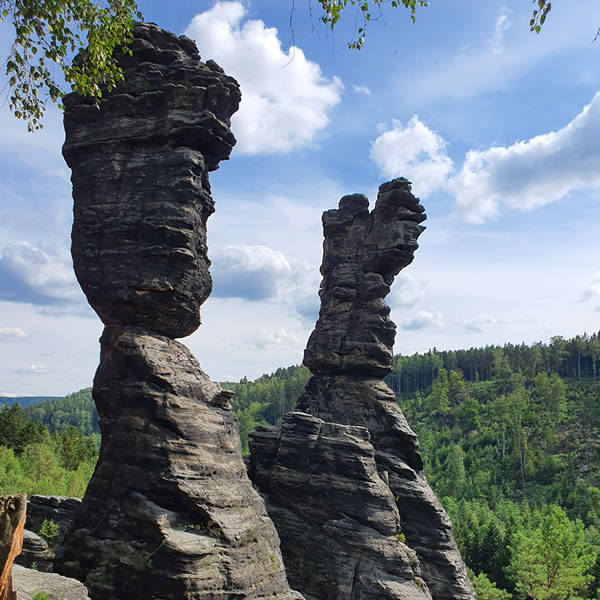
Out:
{"x": 170, "y": 512}
{"x": 35, "y": 553}
{"x": 362, "y": 253}
{"x": 337, "y": 518}
{"x": 349, "y": 352}
{"x": 140, "y": 180}
{"x": 60, "y": 509}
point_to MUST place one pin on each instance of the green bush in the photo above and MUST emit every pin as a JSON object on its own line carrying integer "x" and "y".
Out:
{"x": 48, "y": 531}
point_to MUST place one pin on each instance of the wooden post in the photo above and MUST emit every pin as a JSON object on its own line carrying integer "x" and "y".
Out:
{"x": 12, "y": 523}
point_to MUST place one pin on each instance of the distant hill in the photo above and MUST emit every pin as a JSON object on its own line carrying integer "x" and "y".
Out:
{"x": 76, "y": 410}
{"x": 25, "y": 401}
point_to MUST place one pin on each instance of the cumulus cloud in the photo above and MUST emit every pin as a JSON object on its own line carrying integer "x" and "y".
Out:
{"x": 31, "y": 370}
{"x": 286, "y": 98}
{"x": 501, "y": 27}
{"x": 263, "y": 273}
{"x": 12, "y": 333}
{"x": 423, "y": 319}
{"x": 406, "y": 291}
{"x": 267, "y": 339}
{"x": 248, "y": 272}
{"x": 301, "y": 291}
{"x": 413, "y": 151}
{"x": 362, "y": 89}
{"x": 531, "y": 173}
{"x": 480, "y": 323}
{"x": 32, "y": 275}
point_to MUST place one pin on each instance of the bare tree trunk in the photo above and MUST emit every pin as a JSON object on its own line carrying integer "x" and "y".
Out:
{"x": 12, "y": 523}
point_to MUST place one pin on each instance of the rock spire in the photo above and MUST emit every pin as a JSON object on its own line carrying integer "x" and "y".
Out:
{"x": 169, "y": 512}
{"x": 346, "y": 472}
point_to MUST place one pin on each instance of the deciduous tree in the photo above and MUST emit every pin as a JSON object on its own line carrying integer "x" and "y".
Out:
{"x": 48, "y": 33}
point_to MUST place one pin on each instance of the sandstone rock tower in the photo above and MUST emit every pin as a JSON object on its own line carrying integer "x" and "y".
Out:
{"x": 344, "y": 480}
{"x": 170, "y": 512}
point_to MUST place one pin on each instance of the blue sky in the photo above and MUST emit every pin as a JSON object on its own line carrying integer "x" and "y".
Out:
{"x": 499, "y": 130}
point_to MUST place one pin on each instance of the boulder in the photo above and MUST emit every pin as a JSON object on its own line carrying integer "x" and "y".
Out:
{"x": 29, "y": 582}
{"x": 35, "y": 553}
{"x": 60, "y": 509}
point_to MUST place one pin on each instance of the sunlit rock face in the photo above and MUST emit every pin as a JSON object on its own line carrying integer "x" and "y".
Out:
{"x": 356, "y": 420}
{"x": 170, "y": 512}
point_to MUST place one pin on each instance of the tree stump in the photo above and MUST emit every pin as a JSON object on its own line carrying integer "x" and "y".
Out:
{"x": 12, "y": 523}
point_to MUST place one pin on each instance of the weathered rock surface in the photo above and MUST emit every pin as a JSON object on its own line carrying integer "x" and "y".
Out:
{"x": 35, "y": 553}
{"x": 170, "y": 512}
{"x": 370, "y": 402}
{"x": 60, "y": 509}
{"x": 348, "y": 353}
{"x": 140, "y": 181}
{"x": 362, "y": 253}
{"x": 12, "y": 523}
{"x": 337, "y": 519}
{"x": 29, "y": 582}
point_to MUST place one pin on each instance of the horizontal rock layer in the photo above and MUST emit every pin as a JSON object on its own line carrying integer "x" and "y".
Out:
{"x": 60, "y": 509}
{"x": 170, "y": 512}
{"x": 35, "y": 553}
{"x": 340, "y": 529}
{"x": 140, "y": 164}
{"x": 362, "y": 253}
{"x": 368, "y": 401}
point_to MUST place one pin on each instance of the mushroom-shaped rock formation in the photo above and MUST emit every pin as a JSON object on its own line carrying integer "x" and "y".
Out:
{"x": 170, "y": 512}
{"x": 349, "y": 353}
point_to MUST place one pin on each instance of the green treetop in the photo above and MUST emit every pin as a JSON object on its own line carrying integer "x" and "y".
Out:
{"x": 47, "y": 34}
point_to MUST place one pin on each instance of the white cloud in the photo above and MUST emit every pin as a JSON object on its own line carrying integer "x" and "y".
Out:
{"x": 531, "y": 173}
{"x": 249, "y": 272}
{"x": 33, "y": 275}
{"x": 12, "y": 333}
{"x": 31, "y": 370}
{"x": 406, "y": 291}
{"x": 259, "y": 273}
{"x": 423, "y": 319}
{"x": 285, "y": 97}
{"x": 282, "y": 337}
{"x": 413, "y": 151}
{"x": 362, "y": 89}
{"x": 480, "y": 323}
{"x": 502, "y": 25}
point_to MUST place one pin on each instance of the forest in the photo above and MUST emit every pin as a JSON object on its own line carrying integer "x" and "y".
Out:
{"x": 510, "y": 437}
{"x": 37, "y": 460}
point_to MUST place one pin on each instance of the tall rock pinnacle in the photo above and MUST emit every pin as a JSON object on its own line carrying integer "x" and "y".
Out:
{"x": 169, "y": 512}
{"x": 362, "y": 253}
{"x": 346, "y": 472}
